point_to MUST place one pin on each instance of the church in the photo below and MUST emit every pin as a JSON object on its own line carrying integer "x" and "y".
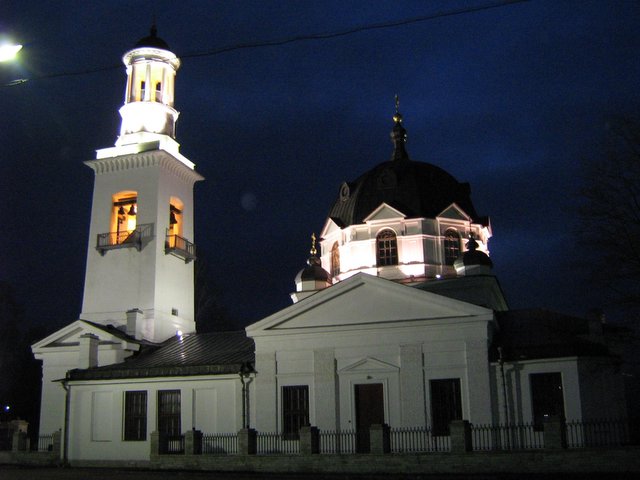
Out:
{"x": 397, "y": 318}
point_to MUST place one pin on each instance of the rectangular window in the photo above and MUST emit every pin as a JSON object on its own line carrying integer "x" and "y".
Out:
{"x": 135, "y": 415}
{"x": 547, "y": 398}
{"x": 169, "y": 412}
{"x": 295, "y": 410}
{"x": 446, "y": 404}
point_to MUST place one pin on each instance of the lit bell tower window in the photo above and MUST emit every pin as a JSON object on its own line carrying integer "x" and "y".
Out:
{"x": 124, "y": 216}
{"x": 175, "y": 243}
{"x": 386, "y": 248}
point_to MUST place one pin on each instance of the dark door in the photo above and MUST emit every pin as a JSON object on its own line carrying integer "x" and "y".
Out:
{"x": 369, "y": 411}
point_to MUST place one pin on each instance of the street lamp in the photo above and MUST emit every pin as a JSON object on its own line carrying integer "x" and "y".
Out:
{"x": 9, "y": 51}
{"x": 246, "y": 369}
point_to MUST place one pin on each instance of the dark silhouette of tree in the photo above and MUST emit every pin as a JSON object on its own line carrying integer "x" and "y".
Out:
{"x": 211, "y": 314}
{"x": 610, "y": 213}
{"x": 19, "y": 371}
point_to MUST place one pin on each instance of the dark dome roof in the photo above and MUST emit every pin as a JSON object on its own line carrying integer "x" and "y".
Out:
{"x": 313, "y": 271}
{"x": 415, "y": 188}
{"x": 152, "y": 40}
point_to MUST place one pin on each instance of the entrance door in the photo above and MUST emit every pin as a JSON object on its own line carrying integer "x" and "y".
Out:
{"x": 369, "y": 411}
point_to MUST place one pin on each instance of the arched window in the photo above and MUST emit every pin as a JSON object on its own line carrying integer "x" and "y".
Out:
{"x": 124, "y": 213}
{"x": 451, "y": 246}
{"x": 386, "y": 248}
{"x": 335, "y": 260}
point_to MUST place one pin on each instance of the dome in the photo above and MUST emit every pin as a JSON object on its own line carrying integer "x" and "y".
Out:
{"x": 313, "y": 272}
{"x": 415, "y": 188}
{"x": 152, "y": 40}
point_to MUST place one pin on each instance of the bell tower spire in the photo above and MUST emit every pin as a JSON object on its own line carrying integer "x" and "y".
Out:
{"x": 148, "y": 112}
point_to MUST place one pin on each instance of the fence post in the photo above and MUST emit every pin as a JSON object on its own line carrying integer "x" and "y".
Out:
{"x": 247, "y": 441}
{"x": 309, "y": 440}
{"x": 56, "y": 439}
{"x": 554, "y": 434}
{"x": 19, "y": 442}
{"x": 157, "y": 444}
{"x": 193, "y": 442}
{"x": 460, "y": 431}
{"x": 379, "y": 438}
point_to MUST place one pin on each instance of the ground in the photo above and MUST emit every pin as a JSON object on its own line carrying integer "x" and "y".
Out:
{"x": 23, "y": 473}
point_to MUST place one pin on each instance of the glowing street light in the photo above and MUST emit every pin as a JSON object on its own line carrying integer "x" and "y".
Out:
{"x": 8, "y": 52}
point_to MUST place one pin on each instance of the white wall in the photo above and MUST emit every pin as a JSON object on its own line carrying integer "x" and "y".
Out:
{"x": 96, "y": 424}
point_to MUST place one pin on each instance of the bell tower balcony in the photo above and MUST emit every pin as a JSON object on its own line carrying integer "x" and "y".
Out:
{"x": 136, "y": 238}
{"x": 179, "y": 247}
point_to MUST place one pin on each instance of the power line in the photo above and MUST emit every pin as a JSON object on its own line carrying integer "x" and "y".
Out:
{"x": 351, "y": 31}
{"x": 298, "y": 38}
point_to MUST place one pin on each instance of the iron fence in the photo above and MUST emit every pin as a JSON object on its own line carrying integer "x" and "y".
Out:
{"x": 417, "y": 439}
{"x": 220, "y": 443}
{"x": 337, "y": 441}
{"x": 174, "y": 444}
{"x": 269, "y": 443}
{"x": 44, "y": 443}
{"x": 506, "y": 437}
{"x": 600, "y": 433}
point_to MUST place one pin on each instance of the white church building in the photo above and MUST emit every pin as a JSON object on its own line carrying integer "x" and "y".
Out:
{"x": 399, "y": 319}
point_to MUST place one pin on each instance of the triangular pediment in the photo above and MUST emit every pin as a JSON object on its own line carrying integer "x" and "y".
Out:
{"x": 364, "y": 301}
{"x": 330, "y": 226}
{"x": 454, "y": 212}
{"x": 69, "y": 336}
{"x": 369, "y": 365}
{"x": 384, "y": 212}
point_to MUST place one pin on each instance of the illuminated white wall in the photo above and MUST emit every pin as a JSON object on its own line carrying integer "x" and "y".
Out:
{"x": 420, "y": 244}
{"x": 125, "y": 278}
{"x": 211, "y": 404}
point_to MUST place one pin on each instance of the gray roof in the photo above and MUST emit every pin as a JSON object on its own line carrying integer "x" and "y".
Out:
{"x": 194, "y": 354}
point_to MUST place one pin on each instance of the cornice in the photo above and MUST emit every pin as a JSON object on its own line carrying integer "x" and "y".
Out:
{"x": 155, "y": 158}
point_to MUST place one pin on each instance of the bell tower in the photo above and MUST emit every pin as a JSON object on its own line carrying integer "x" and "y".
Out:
{"x": 139, "y": 274}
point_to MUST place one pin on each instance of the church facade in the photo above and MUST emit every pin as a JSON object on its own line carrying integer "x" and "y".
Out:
{"x": 398, "y": 319}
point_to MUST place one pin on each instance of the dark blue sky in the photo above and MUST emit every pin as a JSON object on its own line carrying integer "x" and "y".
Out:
{"x": 512, "y": 100}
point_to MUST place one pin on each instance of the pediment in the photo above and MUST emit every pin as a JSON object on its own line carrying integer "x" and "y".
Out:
{"x": 369, "y": 365}
{"x": 69, "y": 336}
{"x": 364, "y": 301}
{"x": 330, "y": 226}
{"x": 454, "y": 212}
{"x": 384, "y": 212}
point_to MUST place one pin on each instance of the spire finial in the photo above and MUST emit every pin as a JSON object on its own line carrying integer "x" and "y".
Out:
{"x": 398, "y": 116}
{"x": 398, "y": 135}
{"x": 313, "y": 250}
{"x": 313, "y": 259}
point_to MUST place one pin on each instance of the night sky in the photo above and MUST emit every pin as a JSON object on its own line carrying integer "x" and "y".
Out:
{"x": 512, "y": 100}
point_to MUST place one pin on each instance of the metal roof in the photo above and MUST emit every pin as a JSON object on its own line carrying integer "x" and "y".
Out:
{"x": 194, "y": 354}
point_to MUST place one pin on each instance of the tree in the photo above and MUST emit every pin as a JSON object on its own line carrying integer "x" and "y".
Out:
{"x": 610, "y": 213}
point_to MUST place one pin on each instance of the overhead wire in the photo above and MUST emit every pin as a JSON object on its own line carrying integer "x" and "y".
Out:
{"x": 297, "y": 38}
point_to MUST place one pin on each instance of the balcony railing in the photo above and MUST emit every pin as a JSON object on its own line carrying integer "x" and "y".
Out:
{"x": 180, "y": 247}
{"x": 137, "y": 239}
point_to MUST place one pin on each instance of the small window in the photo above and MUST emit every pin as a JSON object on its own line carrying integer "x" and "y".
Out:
{"x": 547, "y": 398}
{"x": 135, "y": 416}
{"x": 335, "y": 260}
{"x": 446, "y": 404}
{"x": 451, "y": 246}
{"x": 295, "y": 410}
{"x": 169, "y": 421}
{"x": 386, "y": 248}
{"x": 143, "y": 90}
